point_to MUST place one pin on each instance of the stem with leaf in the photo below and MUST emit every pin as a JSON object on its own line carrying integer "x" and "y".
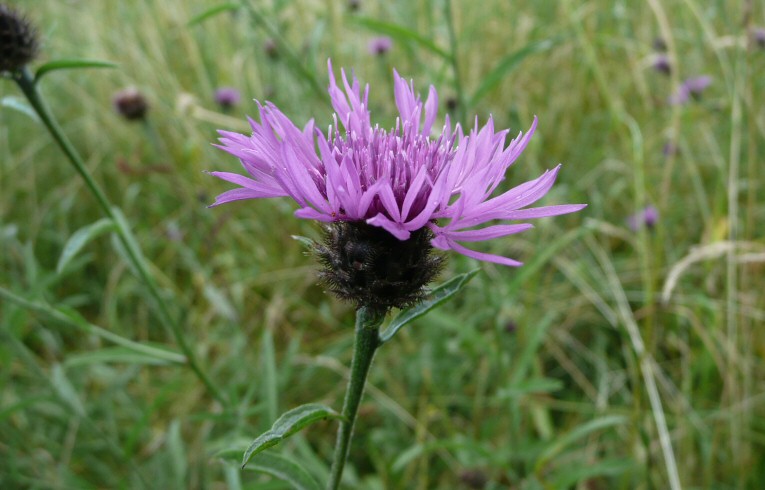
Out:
{"x": 367, "y": 340}
{"x": 28, "y": 85}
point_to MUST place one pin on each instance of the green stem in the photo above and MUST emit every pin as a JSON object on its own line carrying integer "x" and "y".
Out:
{"x": 462, "y": 101}
{"x": 26, "y": 82}
{"x": 367, "y": 341}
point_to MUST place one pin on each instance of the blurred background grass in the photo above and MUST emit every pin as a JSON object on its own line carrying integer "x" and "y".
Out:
{"x": 539, "y": 377}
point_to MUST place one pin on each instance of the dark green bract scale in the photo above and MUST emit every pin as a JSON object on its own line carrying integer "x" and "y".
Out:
{"x": 371, "y": 268}
{"x": 18, "y": 40}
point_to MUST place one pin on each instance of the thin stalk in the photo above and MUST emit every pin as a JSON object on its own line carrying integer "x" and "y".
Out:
{"x": 461, "y": 109}
{"x": 26, "y": 82}
{"x": 367, "y": 340}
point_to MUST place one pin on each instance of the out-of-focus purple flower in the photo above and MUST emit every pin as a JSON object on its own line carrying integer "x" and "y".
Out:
{"x": 662, "y": 65}
{"x": 758, "y": 34}
{"x": 669, "y": 149}
{"x": 380, "y": 45}
{"x": 401, "y": 181}
{"x": 131, "y": 104}
{"x": 227, "y": 97}
{"x": 659, "y": 44}
{"x": 647, "y": 217}
{"x": 691, "y": 87}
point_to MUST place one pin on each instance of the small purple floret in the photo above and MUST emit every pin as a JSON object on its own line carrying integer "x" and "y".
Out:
{"x": 401, "y": 180}
{"x": 647, "y": 217}
{"x": 380, "y": 45}
{"x": 227, "y": 97}
{"x": 691, "y": 87}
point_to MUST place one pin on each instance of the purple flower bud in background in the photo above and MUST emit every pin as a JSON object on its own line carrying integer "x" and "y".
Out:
{"x": 662, "y": 65}
{"x": 354, "y": 5}
{"x": 380, "y": 45}
{"x": 669, "y": 149}
{"x": 758, "y": 35}
{"x": 271, "y": 49}
{"x": 474, "y": 479}
{"x": 227, "y": 97}
{"x": 131, "y": 104}
{"x": 511, "y": 327}
{"x": 648, "y": 217}
{"x": 691, "y": 87}
{"x": 659, "y": 45}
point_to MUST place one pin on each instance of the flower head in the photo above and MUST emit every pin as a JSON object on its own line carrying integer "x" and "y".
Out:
{"x": 435, "y": 190}
{"x": 758, "y": 34}
{"x": 18, "y": 40}
{"x": 647, "y": 217}
{"x": 662, "y": 65}
{"x": 380, "y": 45}
{"x": 691, "y": 87}
{"x": 227, "y": 97}
{"x": 131, "y": 104}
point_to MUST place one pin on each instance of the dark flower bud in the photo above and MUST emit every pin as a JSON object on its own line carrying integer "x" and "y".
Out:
{"x": 758, "y": 35}
{"x": 451, "y": 103}
{"x": 474, "y": 479}
{"x": 380, "y": 45}
{"x": 271, "y": 48}
{"x": 354, "y": 5}
{"x": 662, "y": 65}
{"x": 131, "y": 104}
{"x": 18, "y": 40}
{"x": 371, "y": 268}
{"x": 227, "y": 97}
{"x": 659, "y": 44}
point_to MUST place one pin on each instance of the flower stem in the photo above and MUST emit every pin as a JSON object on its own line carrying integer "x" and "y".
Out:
{"x": 367, "y": 341}
{"x": 26, "y": 83}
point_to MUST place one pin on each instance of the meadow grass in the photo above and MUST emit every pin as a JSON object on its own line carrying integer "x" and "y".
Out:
{"x": 613, "y": 359}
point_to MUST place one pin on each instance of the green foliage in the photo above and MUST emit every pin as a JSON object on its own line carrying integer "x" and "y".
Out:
{"x": 531, "y": 377}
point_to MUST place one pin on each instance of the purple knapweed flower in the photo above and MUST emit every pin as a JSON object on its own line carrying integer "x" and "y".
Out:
{"x": 380, "y": 45}
{"x": 662, "y": 65}
{"x": 227, "y": 97}
{"x": 647, "y": 217}
{"x": 400, "y": 180}
{"x": 691, "y": 87}
{"x": 758, "y": 34}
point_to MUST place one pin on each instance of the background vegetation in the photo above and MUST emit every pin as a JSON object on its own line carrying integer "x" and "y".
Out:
{"x": 613, "y": 359}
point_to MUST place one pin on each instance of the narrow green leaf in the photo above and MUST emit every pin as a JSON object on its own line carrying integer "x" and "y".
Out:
{"x": 286, "y": 470}
{"x": 569, "y": 476}
{"x": 66, "y": 390}
{"x": 401, "y": 33}
{"x": 212, "y": 12}
{"x": 72, "y": 64}
{"x": 20, "y": 105}
{"x": 80, "y": 238}
{"x": 289, "y": 423}
{"x": 531, "y": 385}
{"x": 122, "y": 355}
{"x": 580, "y": 432}
{"x": 506, "y": 65}
{"x": 438, "y": 296}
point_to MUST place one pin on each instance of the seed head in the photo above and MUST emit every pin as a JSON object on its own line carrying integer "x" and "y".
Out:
{"x": 18, "y": 40}
{"x": 131, "y": 104}
{"x": 369, "y": 267}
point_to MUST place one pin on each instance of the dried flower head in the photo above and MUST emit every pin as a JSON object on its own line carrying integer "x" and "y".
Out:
{"x": 380, "y": 45}
{"x": 18, "y": 40}
{"x": 227, "y": 97}
{"x": 398, "y": 189}
{"x": 131, "y": 104}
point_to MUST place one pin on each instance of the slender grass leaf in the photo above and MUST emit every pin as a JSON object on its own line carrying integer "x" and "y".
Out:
{"x": 506, "y": 65}
{"x": 571, "y": 475}
{"x": 20, "y": 105}
{"x": 284, "y": 469}
{"x": 401, "y": 33}
{"x": 288, "y": 424}
{"x": 73, "y": 64}
{"x": 212, "y": 12}
{"x": 177, "y": 450}
{"x": 438, "y": 296}
{"x": 580, "y": 432}
{"x": 66, "y": 391}
{"x": 121, "y": 355}
{"x": 80, "y": 238}
{"x": 526, "y": 358}
{"x": 269, "y": 384}
{"x": 531, "y": 385}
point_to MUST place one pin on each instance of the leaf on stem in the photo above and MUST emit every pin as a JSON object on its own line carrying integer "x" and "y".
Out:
{"x": 72, "y": 64}
{"x": 20, "y": 105}
{"x": 284, "y": 469}
{"x": 80, "y": 238}
{"x": 212, "y": 12}
{"x": 288, "y": 424}
{"x": 438, "y": 296}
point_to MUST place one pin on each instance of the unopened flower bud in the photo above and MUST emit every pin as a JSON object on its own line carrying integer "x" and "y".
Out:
{"x": 18, "y": 40}
{"x": 131, "y": 104}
